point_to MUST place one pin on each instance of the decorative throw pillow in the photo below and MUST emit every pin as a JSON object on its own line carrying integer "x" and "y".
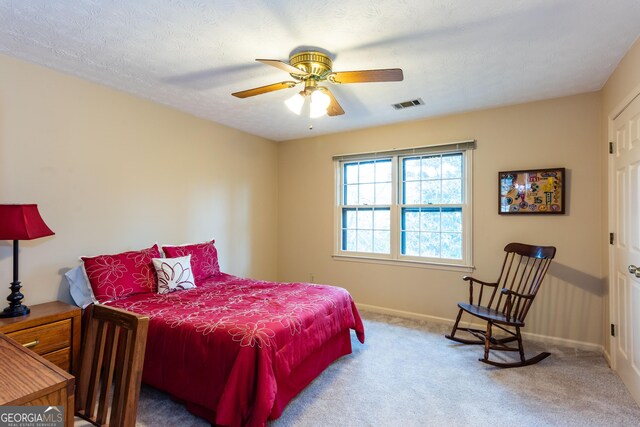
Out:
{"x": 79, "y": 287}
{"x": 204, "y": 258}
{"x": 114, "y": 277}
{"x": 174, "y": 274}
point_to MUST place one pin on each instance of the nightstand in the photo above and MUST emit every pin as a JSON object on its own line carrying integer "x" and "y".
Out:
{"x": 51, "y": 330}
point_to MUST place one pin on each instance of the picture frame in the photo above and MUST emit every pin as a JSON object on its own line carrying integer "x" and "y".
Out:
{"x": 532, "y": 192}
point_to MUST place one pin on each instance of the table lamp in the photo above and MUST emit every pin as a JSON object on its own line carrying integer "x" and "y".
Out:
{"x": 19, "y": 222}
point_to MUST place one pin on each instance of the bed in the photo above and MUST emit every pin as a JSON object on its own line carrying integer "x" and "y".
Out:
{"x": 235, "y": 351}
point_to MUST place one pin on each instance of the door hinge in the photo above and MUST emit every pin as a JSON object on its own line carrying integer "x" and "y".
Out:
{"x": 611, "y": 147}
{"x": 613, "y": 330}
{"x": 611, "y": 238}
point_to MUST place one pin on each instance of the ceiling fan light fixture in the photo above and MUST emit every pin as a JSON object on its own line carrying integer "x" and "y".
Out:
{"x": 319, "y": 103}
{"x": 295, "y": 103}
{"x": 311, "y": 68}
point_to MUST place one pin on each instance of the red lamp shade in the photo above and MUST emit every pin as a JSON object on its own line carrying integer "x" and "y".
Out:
{"x": 22, "y": 222}
{"x": 19, "y": 222}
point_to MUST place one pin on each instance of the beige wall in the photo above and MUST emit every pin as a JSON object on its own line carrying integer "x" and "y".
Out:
{"x": 561, "y": 132}
{"x": 111, "y": 172}
{"x": 623, "y": 83}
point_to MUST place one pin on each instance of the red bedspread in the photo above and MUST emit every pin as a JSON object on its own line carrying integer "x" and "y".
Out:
{"x": 225, "y": 346}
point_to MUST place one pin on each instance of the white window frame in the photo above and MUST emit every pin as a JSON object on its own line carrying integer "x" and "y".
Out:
{"x": 395, "y": 257}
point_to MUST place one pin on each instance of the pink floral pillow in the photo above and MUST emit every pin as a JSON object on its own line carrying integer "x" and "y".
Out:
{"x": 114, "y": 277}
{"x": 174, "y": 274}
{"x": 204, "y": 258}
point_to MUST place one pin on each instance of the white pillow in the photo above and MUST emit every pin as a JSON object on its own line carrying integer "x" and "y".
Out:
{"x": 174, "y": 274}
{"x": 79, "y": 287}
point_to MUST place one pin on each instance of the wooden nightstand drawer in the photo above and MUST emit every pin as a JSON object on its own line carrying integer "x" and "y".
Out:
{"x": 61, "y": 358}
{"x": 45, "y": 338}
{"x": 51, "y": 330}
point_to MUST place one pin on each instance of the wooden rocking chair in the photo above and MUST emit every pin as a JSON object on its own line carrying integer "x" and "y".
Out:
{"x": 506, "y": 301}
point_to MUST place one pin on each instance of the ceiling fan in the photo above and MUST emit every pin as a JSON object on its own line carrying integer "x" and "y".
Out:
{"x": 312, "y": 68}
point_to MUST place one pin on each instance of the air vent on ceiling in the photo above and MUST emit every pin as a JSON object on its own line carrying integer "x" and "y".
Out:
{"x": 407, "y": 104}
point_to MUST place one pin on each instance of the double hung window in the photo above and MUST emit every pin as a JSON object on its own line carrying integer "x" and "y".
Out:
{"x": 406, "y": 205}
{"x": 366, "y": 213}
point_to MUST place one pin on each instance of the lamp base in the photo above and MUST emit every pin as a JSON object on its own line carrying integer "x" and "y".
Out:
{"x": 15, "y": 308}
{"x": 15, "y": 311}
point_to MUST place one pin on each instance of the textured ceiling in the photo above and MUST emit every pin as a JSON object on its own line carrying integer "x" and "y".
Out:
{"x": 457, "y": 55}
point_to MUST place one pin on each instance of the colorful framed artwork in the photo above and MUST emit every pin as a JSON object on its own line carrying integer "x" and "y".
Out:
{"x": 536, "y": 191}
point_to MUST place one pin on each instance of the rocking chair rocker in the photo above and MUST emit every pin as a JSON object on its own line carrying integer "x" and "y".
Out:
{"x": 509, "y": 300}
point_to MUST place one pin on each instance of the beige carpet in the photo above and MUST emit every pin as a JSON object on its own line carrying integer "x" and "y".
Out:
{"x": 408, "y": 374}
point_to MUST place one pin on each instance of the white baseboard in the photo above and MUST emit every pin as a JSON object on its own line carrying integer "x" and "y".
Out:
{"x": 607, "y": 356}
{"x": 566, "y": 342}
{"x": 405, "y": 314}
{"x": 582, "y": 345}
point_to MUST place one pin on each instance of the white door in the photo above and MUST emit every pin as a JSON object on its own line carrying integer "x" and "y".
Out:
{"x": 625, "y": 253}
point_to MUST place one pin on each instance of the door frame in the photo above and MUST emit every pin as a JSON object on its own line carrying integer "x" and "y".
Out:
{"x": 612, "y": 223}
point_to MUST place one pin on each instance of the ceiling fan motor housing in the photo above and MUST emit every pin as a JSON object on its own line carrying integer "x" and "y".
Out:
{"x": 316, "y": 64}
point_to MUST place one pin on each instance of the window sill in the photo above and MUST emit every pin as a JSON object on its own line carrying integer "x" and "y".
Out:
{"x": 405, "y": 263}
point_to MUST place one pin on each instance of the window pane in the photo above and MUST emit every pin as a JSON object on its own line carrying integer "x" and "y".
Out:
{"x": 365, "y": 197}
{"x": 383, "y": 194}
{"x": 411, "y": 169}
{"x": 382, "y": 219}
{"x": 452, "y": 166}
{"x": 366, "y": 172}
{"x": 452, "y": 191}
{"x": 430, "y": 220}
{"x": 411, "y": 219}
{"x": 383, "y": 171}
{"x": 351, "y": 194}
{"x": 452, "y": 220}
{"x": 430, "y": 168}
{"x": 351, "y": 173}
{"x": 430, "y": 192}
{"x": 411, "y": 243}
{"x": 365, "y": 241}
{"x": 381, "y": 242}
{"x": 365, "y": 219}
{"x": 349, "y": 219}
{"x": 452, "y": 245}
{"x": 430, "y": 245}
{"x": 349, "y": 240}
{"x": 411, "y": 193}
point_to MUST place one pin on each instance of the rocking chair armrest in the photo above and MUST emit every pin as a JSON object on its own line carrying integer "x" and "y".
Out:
{"x": 514, "y": 299}
{"x": 509, "y": 293}
{"x": 473, "y": 280}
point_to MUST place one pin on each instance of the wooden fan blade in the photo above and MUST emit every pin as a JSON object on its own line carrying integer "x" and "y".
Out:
{"x": 264, "y": 89}
{"x": 334, "y": 109}
{"x": 364, "y": 76}
{"x": 283, "y": 66}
